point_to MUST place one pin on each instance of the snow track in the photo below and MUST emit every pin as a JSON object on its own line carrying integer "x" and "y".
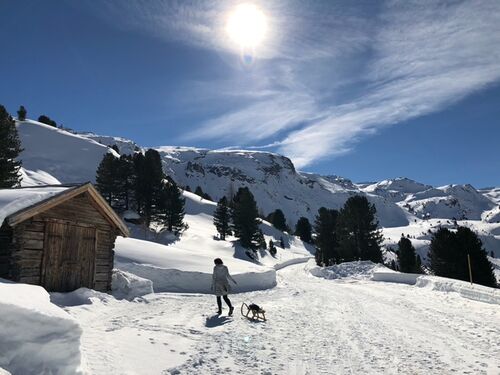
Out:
{"x": 315, "y": 326}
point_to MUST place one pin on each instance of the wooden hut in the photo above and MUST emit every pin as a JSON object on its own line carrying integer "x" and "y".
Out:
{"x": 61, "y": 238}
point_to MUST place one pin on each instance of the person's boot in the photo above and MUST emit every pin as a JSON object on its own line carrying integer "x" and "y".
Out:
{"x": 231, "y": 309}
{"x": 219, "y": 312}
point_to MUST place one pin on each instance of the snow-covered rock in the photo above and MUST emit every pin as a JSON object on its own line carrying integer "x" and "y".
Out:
{"x": 37, "y": 337}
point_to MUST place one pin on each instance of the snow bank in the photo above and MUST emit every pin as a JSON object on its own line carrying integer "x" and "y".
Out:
{"x": 361, "y": 270}
{"x": 128, "y": 286}
{"x": 182, "y": 281}
{"x": 81, "y": 296}
{"x": 396, "y": 277}
{"x": 291, "y": 262}
{"x": 36, "y": 337}
{"x": 464, "y": 289}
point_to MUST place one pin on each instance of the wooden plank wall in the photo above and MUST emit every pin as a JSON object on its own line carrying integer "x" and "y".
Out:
{"x": 5, "y": 250}
{"x": 28, "y": 254}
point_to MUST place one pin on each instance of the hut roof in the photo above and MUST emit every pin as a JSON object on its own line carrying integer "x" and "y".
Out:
{"x": 18, "y": 205}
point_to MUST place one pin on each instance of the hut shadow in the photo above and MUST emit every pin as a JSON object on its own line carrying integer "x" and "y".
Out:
{"x": 216, "y": 321}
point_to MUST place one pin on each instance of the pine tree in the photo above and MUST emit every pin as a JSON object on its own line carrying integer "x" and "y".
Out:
{"x": 277, "y": 219}
{"x": 406, "y": 256}
{"x": 199, "y": 191}
{"x": 442, "y": 254}
{"x": 357, "y": 232}
{"x": 21, "y": 113}
{"x": 148, "y": 185}
{"x": 10, "y": 148}
{"x": 207, "y": 197}
{"x": 106, "y": 177}
{"x": 282, "y": 243}
{"x": 261, "y": 241}
{"x": 172, "y": 207}
{"x": 303, "y": 229}
{"x": 47, "y": 120}
{"x": 272, "y": 249}
{"x": 326, "y": 242}
{"x": 187, "y": 188}
{"x": 393, "y": 265}
{"x": 418, "y": 265}
{"x": 448, "y": 256}
{"x": 125, "y": 177}
{"x": 117, "y": 150}
{"x": 222, "y": 218}
{"x": 138, "y": 161}
{"x": 245, "y": 218}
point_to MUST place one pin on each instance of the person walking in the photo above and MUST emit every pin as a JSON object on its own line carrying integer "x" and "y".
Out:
{"x": 220, "y": 285}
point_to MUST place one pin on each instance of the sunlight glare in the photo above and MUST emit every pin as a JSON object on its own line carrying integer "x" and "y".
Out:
{"x": 247, "y": 26}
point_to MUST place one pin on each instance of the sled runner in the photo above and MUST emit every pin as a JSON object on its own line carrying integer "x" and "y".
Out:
{"x": 253, "y": 312}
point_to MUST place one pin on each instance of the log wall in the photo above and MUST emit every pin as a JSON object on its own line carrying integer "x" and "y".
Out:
{"x": 24, "y": 258}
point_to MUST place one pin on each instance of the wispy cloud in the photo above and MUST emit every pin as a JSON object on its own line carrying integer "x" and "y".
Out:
{"x": 330, "y": 74}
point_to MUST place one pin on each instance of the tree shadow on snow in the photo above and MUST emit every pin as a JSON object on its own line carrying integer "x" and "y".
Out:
{"x": 216, "y": 321}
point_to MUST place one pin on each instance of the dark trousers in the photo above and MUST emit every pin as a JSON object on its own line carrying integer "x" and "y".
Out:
{"x": 219, "y": 302}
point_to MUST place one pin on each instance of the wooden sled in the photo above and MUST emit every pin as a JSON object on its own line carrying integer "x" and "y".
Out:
{"x": 253, "y": 314}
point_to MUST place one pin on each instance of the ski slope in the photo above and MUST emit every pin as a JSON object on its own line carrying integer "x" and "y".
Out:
{"x": 348, "y": 325}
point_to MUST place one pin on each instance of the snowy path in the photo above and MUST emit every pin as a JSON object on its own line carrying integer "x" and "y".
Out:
{"x": 315, "y": 326}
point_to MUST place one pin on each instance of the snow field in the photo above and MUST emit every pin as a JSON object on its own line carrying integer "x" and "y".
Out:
{"x": 315, "y": 326}
{"x": 184, "y": 264}
{"x": 37, "y": 337}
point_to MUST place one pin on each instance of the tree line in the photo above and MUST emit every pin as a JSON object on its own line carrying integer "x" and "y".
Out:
{"x": 449, "y": 254}
{"x": 137, "y": 182}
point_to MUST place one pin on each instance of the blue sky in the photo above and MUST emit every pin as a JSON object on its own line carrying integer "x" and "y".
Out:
{"x": 367, "y": 90}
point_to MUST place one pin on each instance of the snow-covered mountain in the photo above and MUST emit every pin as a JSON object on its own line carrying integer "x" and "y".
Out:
{"x": 458, "y": 202}
{"x": 274, "y": 181}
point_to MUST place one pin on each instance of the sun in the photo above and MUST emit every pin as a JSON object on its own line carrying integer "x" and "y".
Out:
{"x": 247, "y": 26}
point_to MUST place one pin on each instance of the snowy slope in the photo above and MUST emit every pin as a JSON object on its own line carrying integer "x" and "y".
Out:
{"x": 185, "y": 264}
{"x": 492, "y": 193}
{"x": 68, "y": 157}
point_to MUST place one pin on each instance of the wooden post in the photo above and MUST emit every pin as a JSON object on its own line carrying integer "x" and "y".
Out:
{"x": 470, "y": 269}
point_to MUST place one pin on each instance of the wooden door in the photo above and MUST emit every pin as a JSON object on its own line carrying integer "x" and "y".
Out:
{"x": 69, "y": 255}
